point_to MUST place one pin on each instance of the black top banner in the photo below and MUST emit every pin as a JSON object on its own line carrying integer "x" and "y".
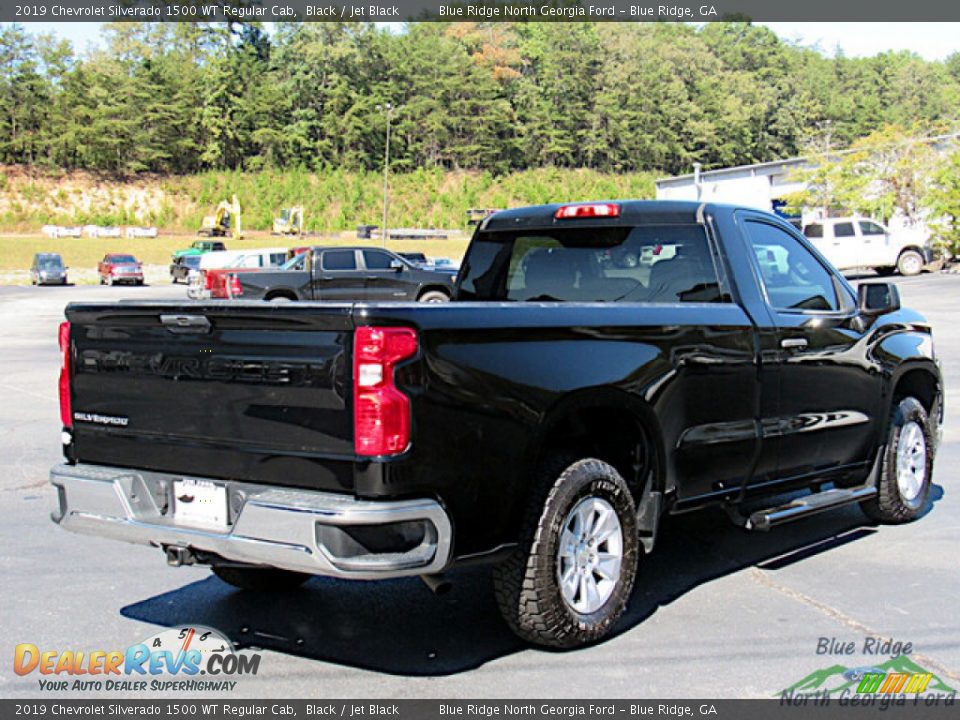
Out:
{"x": 476, "y": 10}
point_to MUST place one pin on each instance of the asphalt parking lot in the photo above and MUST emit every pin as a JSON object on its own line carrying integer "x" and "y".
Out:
{"x": 717, "y": 613}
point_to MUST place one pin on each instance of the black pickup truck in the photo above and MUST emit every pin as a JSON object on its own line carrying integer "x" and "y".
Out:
{"x": 339, "y": 274}
{"x": 602, "y": 366}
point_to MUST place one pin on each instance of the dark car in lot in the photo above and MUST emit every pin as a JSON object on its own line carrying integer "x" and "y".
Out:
{"x": 48, "y": 269}
{"x": 548, "y": 421}
{"x": 118, "y": 268}
{"x": 182, "y": 266}
{"x": 345, "y": 274}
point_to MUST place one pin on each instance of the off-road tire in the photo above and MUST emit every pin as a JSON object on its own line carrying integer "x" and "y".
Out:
{"x": 262, "y": 579}
{"x": 889, "y": 504}
{"x": 526, "y": 584}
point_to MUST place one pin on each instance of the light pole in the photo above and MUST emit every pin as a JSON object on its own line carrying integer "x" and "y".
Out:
{"x": 387, "y": 109}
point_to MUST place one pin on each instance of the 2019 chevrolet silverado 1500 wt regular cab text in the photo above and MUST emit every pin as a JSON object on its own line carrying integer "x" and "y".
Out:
{"x": 603, "y": 365}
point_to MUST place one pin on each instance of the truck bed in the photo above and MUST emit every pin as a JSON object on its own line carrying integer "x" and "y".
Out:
{"x": 250, "y": 391}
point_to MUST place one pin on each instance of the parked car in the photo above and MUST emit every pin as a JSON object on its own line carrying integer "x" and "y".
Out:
{"x": 548, "y": 421}
{"x": 856, "y": 242}
{"x": 48, "y": 269}
{"x": 443, "y": 263}
{"x": 120, "y": 268}
{"x": 201, "y": 247}
{"x": 345, "y": 274}
{"x": 417, "y": 258}
{"x": 182, "y": 266}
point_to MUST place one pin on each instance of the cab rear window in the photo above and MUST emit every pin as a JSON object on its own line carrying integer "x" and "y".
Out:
{"x": 647, "y": 263}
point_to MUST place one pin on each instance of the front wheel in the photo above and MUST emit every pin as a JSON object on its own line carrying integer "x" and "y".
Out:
{"x": 903, "y": 489}
{"x": 259, "y": 578}
{"x": 570, "y": 579}
{"x": 910, "y": 263}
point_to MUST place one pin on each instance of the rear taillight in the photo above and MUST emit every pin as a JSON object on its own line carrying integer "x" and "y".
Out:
{"x": 381, "y": 413}
{"x": 236, "y": 290}
{"x": 66, "y": 409}
{"x": 591, "y": 210}
{"x": 207, "y": 280}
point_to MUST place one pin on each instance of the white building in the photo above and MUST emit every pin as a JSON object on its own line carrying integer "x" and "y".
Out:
{"x": 762, "y": 186}
{"x": 765, "y": 185}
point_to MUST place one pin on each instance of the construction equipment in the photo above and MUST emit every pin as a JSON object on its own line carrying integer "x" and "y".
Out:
{"x": 290, "y": 222}
{"x": 225, "y": 222}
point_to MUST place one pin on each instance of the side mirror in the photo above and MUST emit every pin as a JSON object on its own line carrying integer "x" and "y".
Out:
{"x": 396, "y": 265}
{"x": 877, "y": 298}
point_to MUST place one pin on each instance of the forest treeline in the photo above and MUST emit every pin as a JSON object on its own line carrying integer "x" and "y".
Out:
{"x": 496, "y": 97}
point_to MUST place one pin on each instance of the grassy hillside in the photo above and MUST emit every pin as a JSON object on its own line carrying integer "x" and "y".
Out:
{"x": 333, "y": 201}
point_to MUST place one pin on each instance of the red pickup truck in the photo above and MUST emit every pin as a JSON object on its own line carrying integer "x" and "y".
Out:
{"x": 119, "y": 267}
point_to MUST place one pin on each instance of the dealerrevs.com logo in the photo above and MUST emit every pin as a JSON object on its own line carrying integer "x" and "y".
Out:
{"x": 187, "y": 659}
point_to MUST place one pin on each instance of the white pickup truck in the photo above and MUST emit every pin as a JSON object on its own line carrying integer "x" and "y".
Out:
{"x": 854, "y": 242}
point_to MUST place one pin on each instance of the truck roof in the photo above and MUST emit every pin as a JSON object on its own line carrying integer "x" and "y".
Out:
{"x": 631, "y": 213}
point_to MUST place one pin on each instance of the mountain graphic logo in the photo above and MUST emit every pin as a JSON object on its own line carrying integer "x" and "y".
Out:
{"x": 898, "y": 675}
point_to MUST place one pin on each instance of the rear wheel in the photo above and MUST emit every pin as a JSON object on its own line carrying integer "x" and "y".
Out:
{"x": 903, "y": 489}
{"x": 259, "y": 578}
{"x": 571, "y": 577}
{"x": 434, "y": 296}
{"x": 910, "y": 263}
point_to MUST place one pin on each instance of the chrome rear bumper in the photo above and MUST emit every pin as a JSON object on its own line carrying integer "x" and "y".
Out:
{"x": 301, "y": 530}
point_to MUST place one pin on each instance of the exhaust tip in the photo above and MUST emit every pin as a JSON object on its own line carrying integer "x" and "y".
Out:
{"x": 438, "y": 584}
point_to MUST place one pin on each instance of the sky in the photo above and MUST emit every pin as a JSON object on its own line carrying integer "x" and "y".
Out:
{"x": 933, "y": 41}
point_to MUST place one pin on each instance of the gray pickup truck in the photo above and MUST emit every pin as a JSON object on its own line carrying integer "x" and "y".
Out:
{"x": 346, "y": 274}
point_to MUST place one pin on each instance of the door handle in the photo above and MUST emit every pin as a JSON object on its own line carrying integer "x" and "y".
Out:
{"x": 183, "y": 324}
{"x": 793, "y": 343}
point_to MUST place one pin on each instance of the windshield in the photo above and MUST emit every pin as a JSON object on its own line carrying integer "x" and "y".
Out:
{"x": 648, "y": 263}
{"x": 50, "y": 263}
{"x": 125, "y": 259}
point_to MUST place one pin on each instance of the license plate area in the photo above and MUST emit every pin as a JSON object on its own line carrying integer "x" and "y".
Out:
{"x": 200, "y": 502}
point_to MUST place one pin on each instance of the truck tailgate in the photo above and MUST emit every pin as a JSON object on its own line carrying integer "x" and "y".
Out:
{"x": 248, "y": 391}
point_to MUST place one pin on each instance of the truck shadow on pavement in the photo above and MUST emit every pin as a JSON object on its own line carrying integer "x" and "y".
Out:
{"x": 399, "y": 627}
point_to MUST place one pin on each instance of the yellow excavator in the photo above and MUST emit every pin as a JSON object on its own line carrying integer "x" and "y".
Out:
{"x": 290, "y": 222}
{"x": 226, "y": 221}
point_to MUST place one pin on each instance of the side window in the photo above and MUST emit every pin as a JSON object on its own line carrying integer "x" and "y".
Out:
{"x": 339, "y": 260}
{"x": 870, "y": 228}
{"x": 375, "y": 260}
{"x": 844, "y": 229}
{"x": 813, "y": 231}
{"x": 793, "y": 277}
{"x": 277, "y": 259}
